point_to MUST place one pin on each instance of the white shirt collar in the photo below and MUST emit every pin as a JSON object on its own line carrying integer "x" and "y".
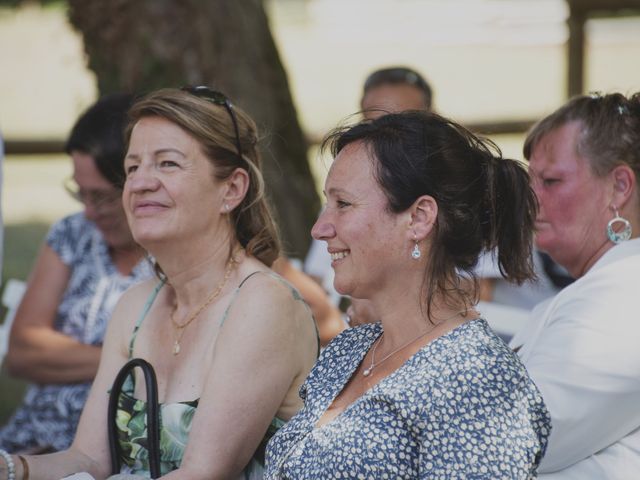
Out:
{"x": 618, "y": 252}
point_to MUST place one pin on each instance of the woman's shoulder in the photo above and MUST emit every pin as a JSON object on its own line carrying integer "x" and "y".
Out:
{"x": 136, "y": 296}
{"x": 279, "y": 320}
{"x": 474, "y": 349}
{"x": 259, "y": 285}
{"x": 608, "y": 291}
{"x": 130, "y": 309}
{"x": 70, "y": 232}
{"x": 474, "y": 364}
{"x": 360, "y": 336}
{"x": 348, "y": 345}
{"x": 263, "y": 298}
{"x": 75, "y": 223}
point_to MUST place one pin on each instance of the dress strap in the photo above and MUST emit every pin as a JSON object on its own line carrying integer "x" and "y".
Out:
{"x": 247, "y": 278}
{"x": 143, "y": 314}
{"x": 233, "y": 297}
{"x": 266, "y": 272}
{"x": 294, "y": 292}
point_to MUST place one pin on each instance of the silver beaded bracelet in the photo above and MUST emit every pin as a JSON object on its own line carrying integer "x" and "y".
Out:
{"x": 11, "y": 467}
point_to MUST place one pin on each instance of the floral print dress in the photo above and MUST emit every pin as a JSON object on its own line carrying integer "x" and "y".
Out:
{"x": 462, "y": 407}
{"x": 49, "y": 414}
{"x": 175, "y": 420}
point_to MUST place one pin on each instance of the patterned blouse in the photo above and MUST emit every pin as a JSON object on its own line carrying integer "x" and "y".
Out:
{"x": 49, "y": 414}
{"x": 462, "y": 407}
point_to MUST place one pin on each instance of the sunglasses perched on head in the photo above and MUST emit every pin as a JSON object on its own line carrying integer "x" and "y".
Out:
{"x": 217, "y": 98}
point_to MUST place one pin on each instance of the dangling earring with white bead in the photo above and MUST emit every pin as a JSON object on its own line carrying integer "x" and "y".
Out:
{"x": 416, "y": 253}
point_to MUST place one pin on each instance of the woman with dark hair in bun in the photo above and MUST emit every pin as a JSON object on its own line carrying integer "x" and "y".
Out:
{"x": 430, "y": 391}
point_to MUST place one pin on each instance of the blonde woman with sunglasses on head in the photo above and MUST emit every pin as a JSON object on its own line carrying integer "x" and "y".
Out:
{"x": 229, "y": 340}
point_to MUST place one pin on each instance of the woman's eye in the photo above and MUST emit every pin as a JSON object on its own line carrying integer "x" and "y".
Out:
{"x": 168, "y": 163}
{"x": 549, "y": 181}
{"x": 342, "y": 204}
{"x": 131, "y": 168}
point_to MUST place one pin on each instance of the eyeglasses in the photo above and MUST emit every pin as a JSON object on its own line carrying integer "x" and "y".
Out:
{"x": 98, "y": 199}
{"x": 217, "y": 98}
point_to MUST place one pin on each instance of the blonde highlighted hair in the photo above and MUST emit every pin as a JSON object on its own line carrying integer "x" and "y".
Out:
{"x": 212, "y": 126}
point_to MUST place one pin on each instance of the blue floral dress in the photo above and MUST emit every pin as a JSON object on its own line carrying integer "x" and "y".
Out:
{"x": 49, "y": 414}
{"x": 462, "y": 407}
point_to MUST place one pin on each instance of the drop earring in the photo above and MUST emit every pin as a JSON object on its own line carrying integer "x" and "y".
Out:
{"x": 624, "y": 234}
{"x": 416, "y": 253}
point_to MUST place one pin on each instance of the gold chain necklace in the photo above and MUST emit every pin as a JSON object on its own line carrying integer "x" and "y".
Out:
{"x": 180, "y": 328}
{"x": 374, "y": 364}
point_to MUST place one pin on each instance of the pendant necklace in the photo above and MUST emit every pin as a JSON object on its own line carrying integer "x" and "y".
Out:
{"x": 180, "y": 328}
{"x": 374, "y": 364}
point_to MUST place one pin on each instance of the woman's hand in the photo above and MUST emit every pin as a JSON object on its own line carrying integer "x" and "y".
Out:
{"x": 37, "y": 352}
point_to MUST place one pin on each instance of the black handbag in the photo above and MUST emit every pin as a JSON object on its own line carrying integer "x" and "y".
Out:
{"x": 153, "y": 415}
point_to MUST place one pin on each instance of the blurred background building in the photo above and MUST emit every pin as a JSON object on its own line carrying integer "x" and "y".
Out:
{"x": 488, "y": 61}
{"x": 495, "y": 65}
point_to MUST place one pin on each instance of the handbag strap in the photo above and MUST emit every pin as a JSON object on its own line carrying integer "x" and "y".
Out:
{"x": 153, "y": 415}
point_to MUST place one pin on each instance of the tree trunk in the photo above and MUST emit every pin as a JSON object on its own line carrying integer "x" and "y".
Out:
{"x": 148, "y": 44}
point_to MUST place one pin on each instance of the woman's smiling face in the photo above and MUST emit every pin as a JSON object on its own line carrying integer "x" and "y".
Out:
{"x": 363, "y": 237}
{"x": 170, "y": 189}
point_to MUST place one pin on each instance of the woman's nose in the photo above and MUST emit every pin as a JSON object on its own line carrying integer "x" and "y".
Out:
{"x": 323, "y": 229}
{"x": 142, "y": 179}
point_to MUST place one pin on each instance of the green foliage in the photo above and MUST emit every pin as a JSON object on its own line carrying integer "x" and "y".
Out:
{"x": 131, "y": 420}
{"x": 11, "y": 392}
{"x": 21, "y": 244}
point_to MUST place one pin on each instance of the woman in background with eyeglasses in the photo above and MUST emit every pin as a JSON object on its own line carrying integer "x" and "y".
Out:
{"x": 88, "y": 260}
{"x": 230, "y": 341}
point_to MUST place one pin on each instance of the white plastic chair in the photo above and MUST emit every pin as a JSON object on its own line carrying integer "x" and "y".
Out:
{"x": 13, "y": 292}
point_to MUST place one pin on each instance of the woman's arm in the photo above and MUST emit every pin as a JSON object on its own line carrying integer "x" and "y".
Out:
{"x": 90, "y": 449}
{"x": 263, "y": 353}
{"x": 56, "y": 465}
{"x": 37, "y": 352}
{"x": 585, "y": 362}
{"x": 485, "y": 421}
